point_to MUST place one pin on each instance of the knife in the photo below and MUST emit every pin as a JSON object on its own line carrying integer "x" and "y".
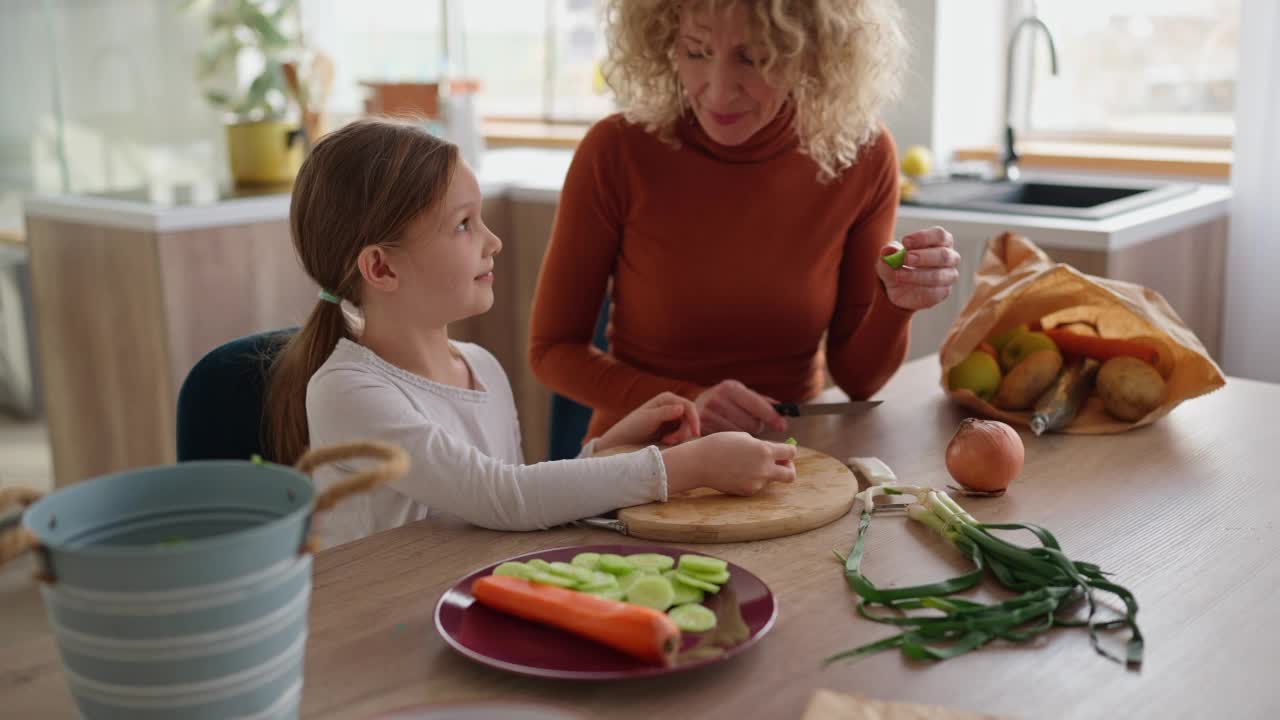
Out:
{"x": 841, "y": 408}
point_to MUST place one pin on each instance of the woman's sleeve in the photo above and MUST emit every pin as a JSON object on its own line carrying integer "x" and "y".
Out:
{"x": 868, "y": 336}
{"x": 580, "y": 258}
{"x": 447, "y": 474}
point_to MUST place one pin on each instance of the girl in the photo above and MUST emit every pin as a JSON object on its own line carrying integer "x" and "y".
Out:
{"x": 386, "y": 217}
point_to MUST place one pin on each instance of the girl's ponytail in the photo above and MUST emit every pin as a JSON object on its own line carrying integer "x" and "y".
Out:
{"x": 298, "y": 359}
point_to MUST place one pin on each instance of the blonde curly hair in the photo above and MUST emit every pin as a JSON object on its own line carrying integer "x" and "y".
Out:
{"x": 842, "y": 59}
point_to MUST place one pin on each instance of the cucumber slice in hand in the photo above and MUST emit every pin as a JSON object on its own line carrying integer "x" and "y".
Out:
{"x": 692, "y": 618}
{"x": 652, "y": 561}
{"x": 702, "y": 565}
{"x": 652, "y": 592}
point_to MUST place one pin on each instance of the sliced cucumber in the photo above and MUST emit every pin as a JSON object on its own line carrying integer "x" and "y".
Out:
{"x": 701, "y": 564}
{"x": 539, "y": 564}
{"x": 652, "y": 560}
{"x": 546, "y": 578}
{"x": 514, "y": 569}
{"x": 685, "y": 595}
{"x": 600, "y": 581}
{"x": 574, "y": 573}
{"x": 692, "y": 581}
{"x": 651, "y": 592}
{"x": 612, "y": 593}
{"x": 615, "y": 564}
{"x": 692, "y": 618}
{"x": 626, "y": 581}
{"x": 589, "y": 561}
{"x": 719, "y": 578}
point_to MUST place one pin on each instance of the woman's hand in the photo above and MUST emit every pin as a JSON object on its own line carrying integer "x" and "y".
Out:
{"x": 732, "y": 462}
{"x": 730, "y": 405}
{"x": 927, "y": 276}
{"x": 667, "y": 418}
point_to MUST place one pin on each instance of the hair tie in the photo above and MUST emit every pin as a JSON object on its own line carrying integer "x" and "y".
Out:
{"x": 327, "y": 296}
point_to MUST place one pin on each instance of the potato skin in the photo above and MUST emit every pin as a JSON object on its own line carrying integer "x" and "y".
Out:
{"x": 1027, "y": 380}
{"x": 1129, "y": 388}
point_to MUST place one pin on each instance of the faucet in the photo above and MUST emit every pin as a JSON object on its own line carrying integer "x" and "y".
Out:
{"x": 1009, "y": 161}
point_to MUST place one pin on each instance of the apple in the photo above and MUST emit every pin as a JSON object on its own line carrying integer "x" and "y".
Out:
{"x": 999, "y": 341}
{"x": 1020, "y": 346}
{"x": 978, "y": 372}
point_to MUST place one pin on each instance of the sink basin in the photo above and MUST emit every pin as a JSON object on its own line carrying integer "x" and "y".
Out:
{"x": 1087, "y": 200}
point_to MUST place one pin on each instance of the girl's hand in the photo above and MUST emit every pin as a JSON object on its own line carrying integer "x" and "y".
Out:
{"x": 730, "y": 405}
{"x": 927, "y": 276}
{"x": 732, "y": 462}
{"x": 667, "y": 418}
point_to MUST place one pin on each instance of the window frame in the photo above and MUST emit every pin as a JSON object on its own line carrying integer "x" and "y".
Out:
{"x": 1018, "y": 9}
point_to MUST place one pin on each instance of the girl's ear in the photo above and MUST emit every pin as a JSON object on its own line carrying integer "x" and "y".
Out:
{"x": 375, "y": 267}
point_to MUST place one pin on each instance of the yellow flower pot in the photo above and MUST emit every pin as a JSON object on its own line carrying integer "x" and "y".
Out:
{"x": 264, "y": 153}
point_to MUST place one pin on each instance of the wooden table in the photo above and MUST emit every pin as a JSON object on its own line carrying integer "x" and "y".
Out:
{"x": 1184, "y": 512}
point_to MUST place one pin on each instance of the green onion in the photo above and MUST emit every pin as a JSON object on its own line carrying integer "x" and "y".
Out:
{"x": 1049, "y": 583}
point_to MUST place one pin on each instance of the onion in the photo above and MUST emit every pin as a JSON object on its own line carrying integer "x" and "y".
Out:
{"x": 984, "y": 455}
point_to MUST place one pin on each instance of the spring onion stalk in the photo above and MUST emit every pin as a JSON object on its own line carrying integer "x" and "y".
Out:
{"x": 937, "y": 626}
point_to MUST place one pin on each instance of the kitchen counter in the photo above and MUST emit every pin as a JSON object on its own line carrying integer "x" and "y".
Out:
{"x": 131, "y": 289}
{"x": 535, "y": 175}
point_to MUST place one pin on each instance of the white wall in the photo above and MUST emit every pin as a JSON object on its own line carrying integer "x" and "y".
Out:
{"x": 132, "y": 112}
{"x": 953, "y": 94}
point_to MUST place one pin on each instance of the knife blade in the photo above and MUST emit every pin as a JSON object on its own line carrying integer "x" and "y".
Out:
{"x": 841, "y": 408}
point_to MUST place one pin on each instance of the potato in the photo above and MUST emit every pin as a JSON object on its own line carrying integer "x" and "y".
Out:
{"x": 1028, "y": 380}
{"x": 1130, "y": 388}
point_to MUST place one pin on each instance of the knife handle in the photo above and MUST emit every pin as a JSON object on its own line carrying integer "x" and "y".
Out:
{"x": 787, "y": 409}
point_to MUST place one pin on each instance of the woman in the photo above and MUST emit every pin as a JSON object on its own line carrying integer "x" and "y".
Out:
{"x": 740, "y": 206}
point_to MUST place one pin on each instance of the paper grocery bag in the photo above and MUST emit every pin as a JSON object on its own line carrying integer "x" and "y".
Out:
{"x": 1017, "y": 283}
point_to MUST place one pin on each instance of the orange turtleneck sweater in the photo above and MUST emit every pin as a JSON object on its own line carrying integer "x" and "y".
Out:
{"x": 727, "y": 263}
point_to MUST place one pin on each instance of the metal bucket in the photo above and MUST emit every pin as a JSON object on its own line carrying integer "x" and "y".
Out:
{"x": 182, "y": 590}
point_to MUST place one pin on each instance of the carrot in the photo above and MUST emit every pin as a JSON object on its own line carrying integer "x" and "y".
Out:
{"x": 1102, "y": 349}
{"x": 639, "y": 631}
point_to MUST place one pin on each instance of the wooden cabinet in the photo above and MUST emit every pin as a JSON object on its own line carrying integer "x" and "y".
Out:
{"x": 523, "y": 223}
{"x": 1187, "y": 267}
{"x": 122, "y": 315}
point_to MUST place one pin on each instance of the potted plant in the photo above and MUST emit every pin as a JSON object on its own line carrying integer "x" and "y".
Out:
{"x": 263, "y": 145}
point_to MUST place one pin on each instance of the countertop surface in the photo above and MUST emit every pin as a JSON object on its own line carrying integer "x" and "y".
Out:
{"x": 536, "y": 175}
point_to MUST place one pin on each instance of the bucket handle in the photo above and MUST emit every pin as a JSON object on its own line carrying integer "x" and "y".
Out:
{"x": 17, "y": 540}
{"x": 394, "y": 464}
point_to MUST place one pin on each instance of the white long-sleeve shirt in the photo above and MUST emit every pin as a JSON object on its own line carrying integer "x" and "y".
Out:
{"x": 464, "y": 450}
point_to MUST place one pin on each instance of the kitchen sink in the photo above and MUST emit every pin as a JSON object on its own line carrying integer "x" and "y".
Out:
{"x": 1086, "y": 200}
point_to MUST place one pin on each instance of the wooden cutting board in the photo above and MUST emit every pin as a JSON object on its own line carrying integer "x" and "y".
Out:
{"x": 823, "y": 491}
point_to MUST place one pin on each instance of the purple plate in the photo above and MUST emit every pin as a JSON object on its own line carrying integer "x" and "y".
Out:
{"x": 744, "y": 608}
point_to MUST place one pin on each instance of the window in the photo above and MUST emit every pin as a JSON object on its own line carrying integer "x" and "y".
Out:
{"x": 1154, "y": 71}
{"x": 535, "y": 59}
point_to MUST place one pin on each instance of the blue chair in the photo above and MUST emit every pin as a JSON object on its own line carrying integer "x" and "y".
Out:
{"x": 220, "y": 414}
{"x": 568, "y": 422}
